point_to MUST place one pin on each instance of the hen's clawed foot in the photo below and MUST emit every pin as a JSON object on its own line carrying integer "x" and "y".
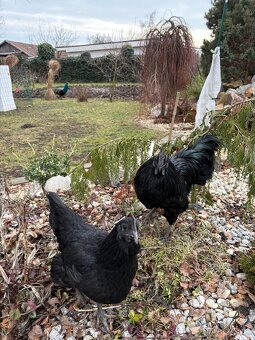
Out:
{"x": 101, "y": 319}
{"x": 149, "y": 216}
{"x": 166, "y": 238}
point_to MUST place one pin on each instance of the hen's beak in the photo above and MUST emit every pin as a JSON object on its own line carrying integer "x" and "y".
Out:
{"x": 135, "y": 231}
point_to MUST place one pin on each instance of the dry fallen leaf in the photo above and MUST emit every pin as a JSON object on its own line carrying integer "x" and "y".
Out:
{"x": 35, "y": 333}
{"x": 185, "y": 269}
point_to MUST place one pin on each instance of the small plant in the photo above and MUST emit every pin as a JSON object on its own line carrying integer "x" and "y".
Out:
{"x": 50, "y": 163}
{"x": 247, "y": 263}
{"x": 134, "y": 317}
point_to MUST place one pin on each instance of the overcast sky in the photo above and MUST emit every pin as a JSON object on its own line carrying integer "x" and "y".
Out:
{"x": 99, "y": 16}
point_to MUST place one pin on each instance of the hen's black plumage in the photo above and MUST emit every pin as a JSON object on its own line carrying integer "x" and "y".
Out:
{"x": 99, "y": 264}
{"x": 165, "y": 182}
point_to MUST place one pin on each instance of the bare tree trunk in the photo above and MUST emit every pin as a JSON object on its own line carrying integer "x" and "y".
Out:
{"x": 174, "y": 114}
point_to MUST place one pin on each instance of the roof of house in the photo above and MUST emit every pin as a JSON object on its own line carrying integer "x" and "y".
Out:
{"x": 29, "y": 49}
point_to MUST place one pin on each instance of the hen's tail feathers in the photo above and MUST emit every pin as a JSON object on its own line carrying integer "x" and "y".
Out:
{"x": 63, "y": 220}
{"x": 196, "y": 162}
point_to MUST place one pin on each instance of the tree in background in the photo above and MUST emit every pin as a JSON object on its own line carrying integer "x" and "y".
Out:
{"x": 168, "y": 60}
{"x": 238, "y": 39}
{"x": 46, "y": 51}
{"x": 56, "y": 35}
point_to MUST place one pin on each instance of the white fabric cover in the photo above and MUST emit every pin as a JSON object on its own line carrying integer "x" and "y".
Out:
{"x": 210, "y": 90}
{"x": 6, "y": 97}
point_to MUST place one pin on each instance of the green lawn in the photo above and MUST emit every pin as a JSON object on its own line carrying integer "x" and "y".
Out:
{"x": 79, "y": 125}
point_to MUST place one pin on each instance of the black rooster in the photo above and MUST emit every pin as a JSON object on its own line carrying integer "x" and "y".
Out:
{"x": 100, "y": 265}
{"x": 166, "y": 181}
{"x": 61, "y": 92}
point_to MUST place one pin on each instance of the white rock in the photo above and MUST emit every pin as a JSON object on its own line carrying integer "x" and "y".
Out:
{"x": 223, "y": 302}
{"x": 235, "y": 303}
{"x": 226, "y": 294}
{"x": 181, "y": 329}
{"x": 126, "y": 334}
{"x": 250, "y": 334}
{"x": 219, "y": 316}
{"x": 175, "y": 312}
{"x": 56, "y": 333}
{"x": 194, "y": 303}
{"x": 56, "y": 183}
{"x": 232, "y": 287}
{"x": 226, "y": 322}
{"x": 184, "y": 305}
{"x": 201, "y": 300}
{"x": 241, "y": 276}
{"x": 232, "y": 313}
{"x": 252, "y": 315}
{"x": 229, "y": 272}
{"x": 240, "y": 337}
{"x": 35, "y": 190}
{"x": 93, "y": 332}
{"x": 211, "y": 303}
{"x": 150, "y": 336}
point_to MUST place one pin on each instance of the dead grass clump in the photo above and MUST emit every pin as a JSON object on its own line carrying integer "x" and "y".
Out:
{"x": 81, "y": 93}
{"x": 188, "y": 261}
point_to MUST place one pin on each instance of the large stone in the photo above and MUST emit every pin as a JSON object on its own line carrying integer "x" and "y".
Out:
{"x": 56, "y": 183}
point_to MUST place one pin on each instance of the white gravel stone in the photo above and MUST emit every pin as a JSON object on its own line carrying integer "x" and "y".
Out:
{"x": 211, "y": 303}
{"x": 194, "y": 303}
{"x": 232, "y": 287}
{"x": 226, "y": 294}
{"x": 223, "y": 302}
{"x": 181, "y": 329}
{"x": 226, "y": 322}
{"x": 56, "y": 333}
{"x": 201, "y": 300}
{"x": 219, "y": 316}
{"x": 235, "y": 303}
{"x": 126, "y": 334}
{"x": 250, "y": 334}
{"x": 241, "y": 276}
{"x": 229, "y": 272}
{"x": 175, "y": 312}
{"x": 233, "y": 313}
{"x": 252, "y": 315}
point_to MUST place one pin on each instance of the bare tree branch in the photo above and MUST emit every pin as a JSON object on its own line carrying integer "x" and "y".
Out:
{"x": 56, "y": 35}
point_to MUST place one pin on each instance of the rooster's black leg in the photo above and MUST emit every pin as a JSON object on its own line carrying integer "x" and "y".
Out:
{"x": 168, "y": 232}
{"x": 148, "y": 218}
{"x": 101, "y": 318}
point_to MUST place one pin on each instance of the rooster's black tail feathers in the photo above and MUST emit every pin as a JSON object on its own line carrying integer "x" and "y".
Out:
{"x": 196, "y": 162}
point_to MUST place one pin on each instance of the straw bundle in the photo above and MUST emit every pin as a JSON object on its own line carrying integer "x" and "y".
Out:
{"x": 54, "y": 67}
{"x": 11, "y": 60}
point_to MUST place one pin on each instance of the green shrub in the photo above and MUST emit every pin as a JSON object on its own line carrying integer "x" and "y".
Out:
{"x": 194, "y": 88}
{"x": 50, "y": 163}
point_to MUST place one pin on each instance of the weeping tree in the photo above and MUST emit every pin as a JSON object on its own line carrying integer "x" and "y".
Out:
{"x": 168, "y": 59}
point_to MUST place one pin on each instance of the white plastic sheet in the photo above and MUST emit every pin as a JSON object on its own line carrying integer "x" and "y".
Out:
{"x": 6, "y": 97}
{"x": 210, "y": 90}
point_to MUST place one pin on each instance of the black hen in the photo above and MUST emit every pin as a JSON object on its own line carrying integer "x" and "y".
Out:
{"x": 100, "y": 265}
{"x": 165, "y": 182}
